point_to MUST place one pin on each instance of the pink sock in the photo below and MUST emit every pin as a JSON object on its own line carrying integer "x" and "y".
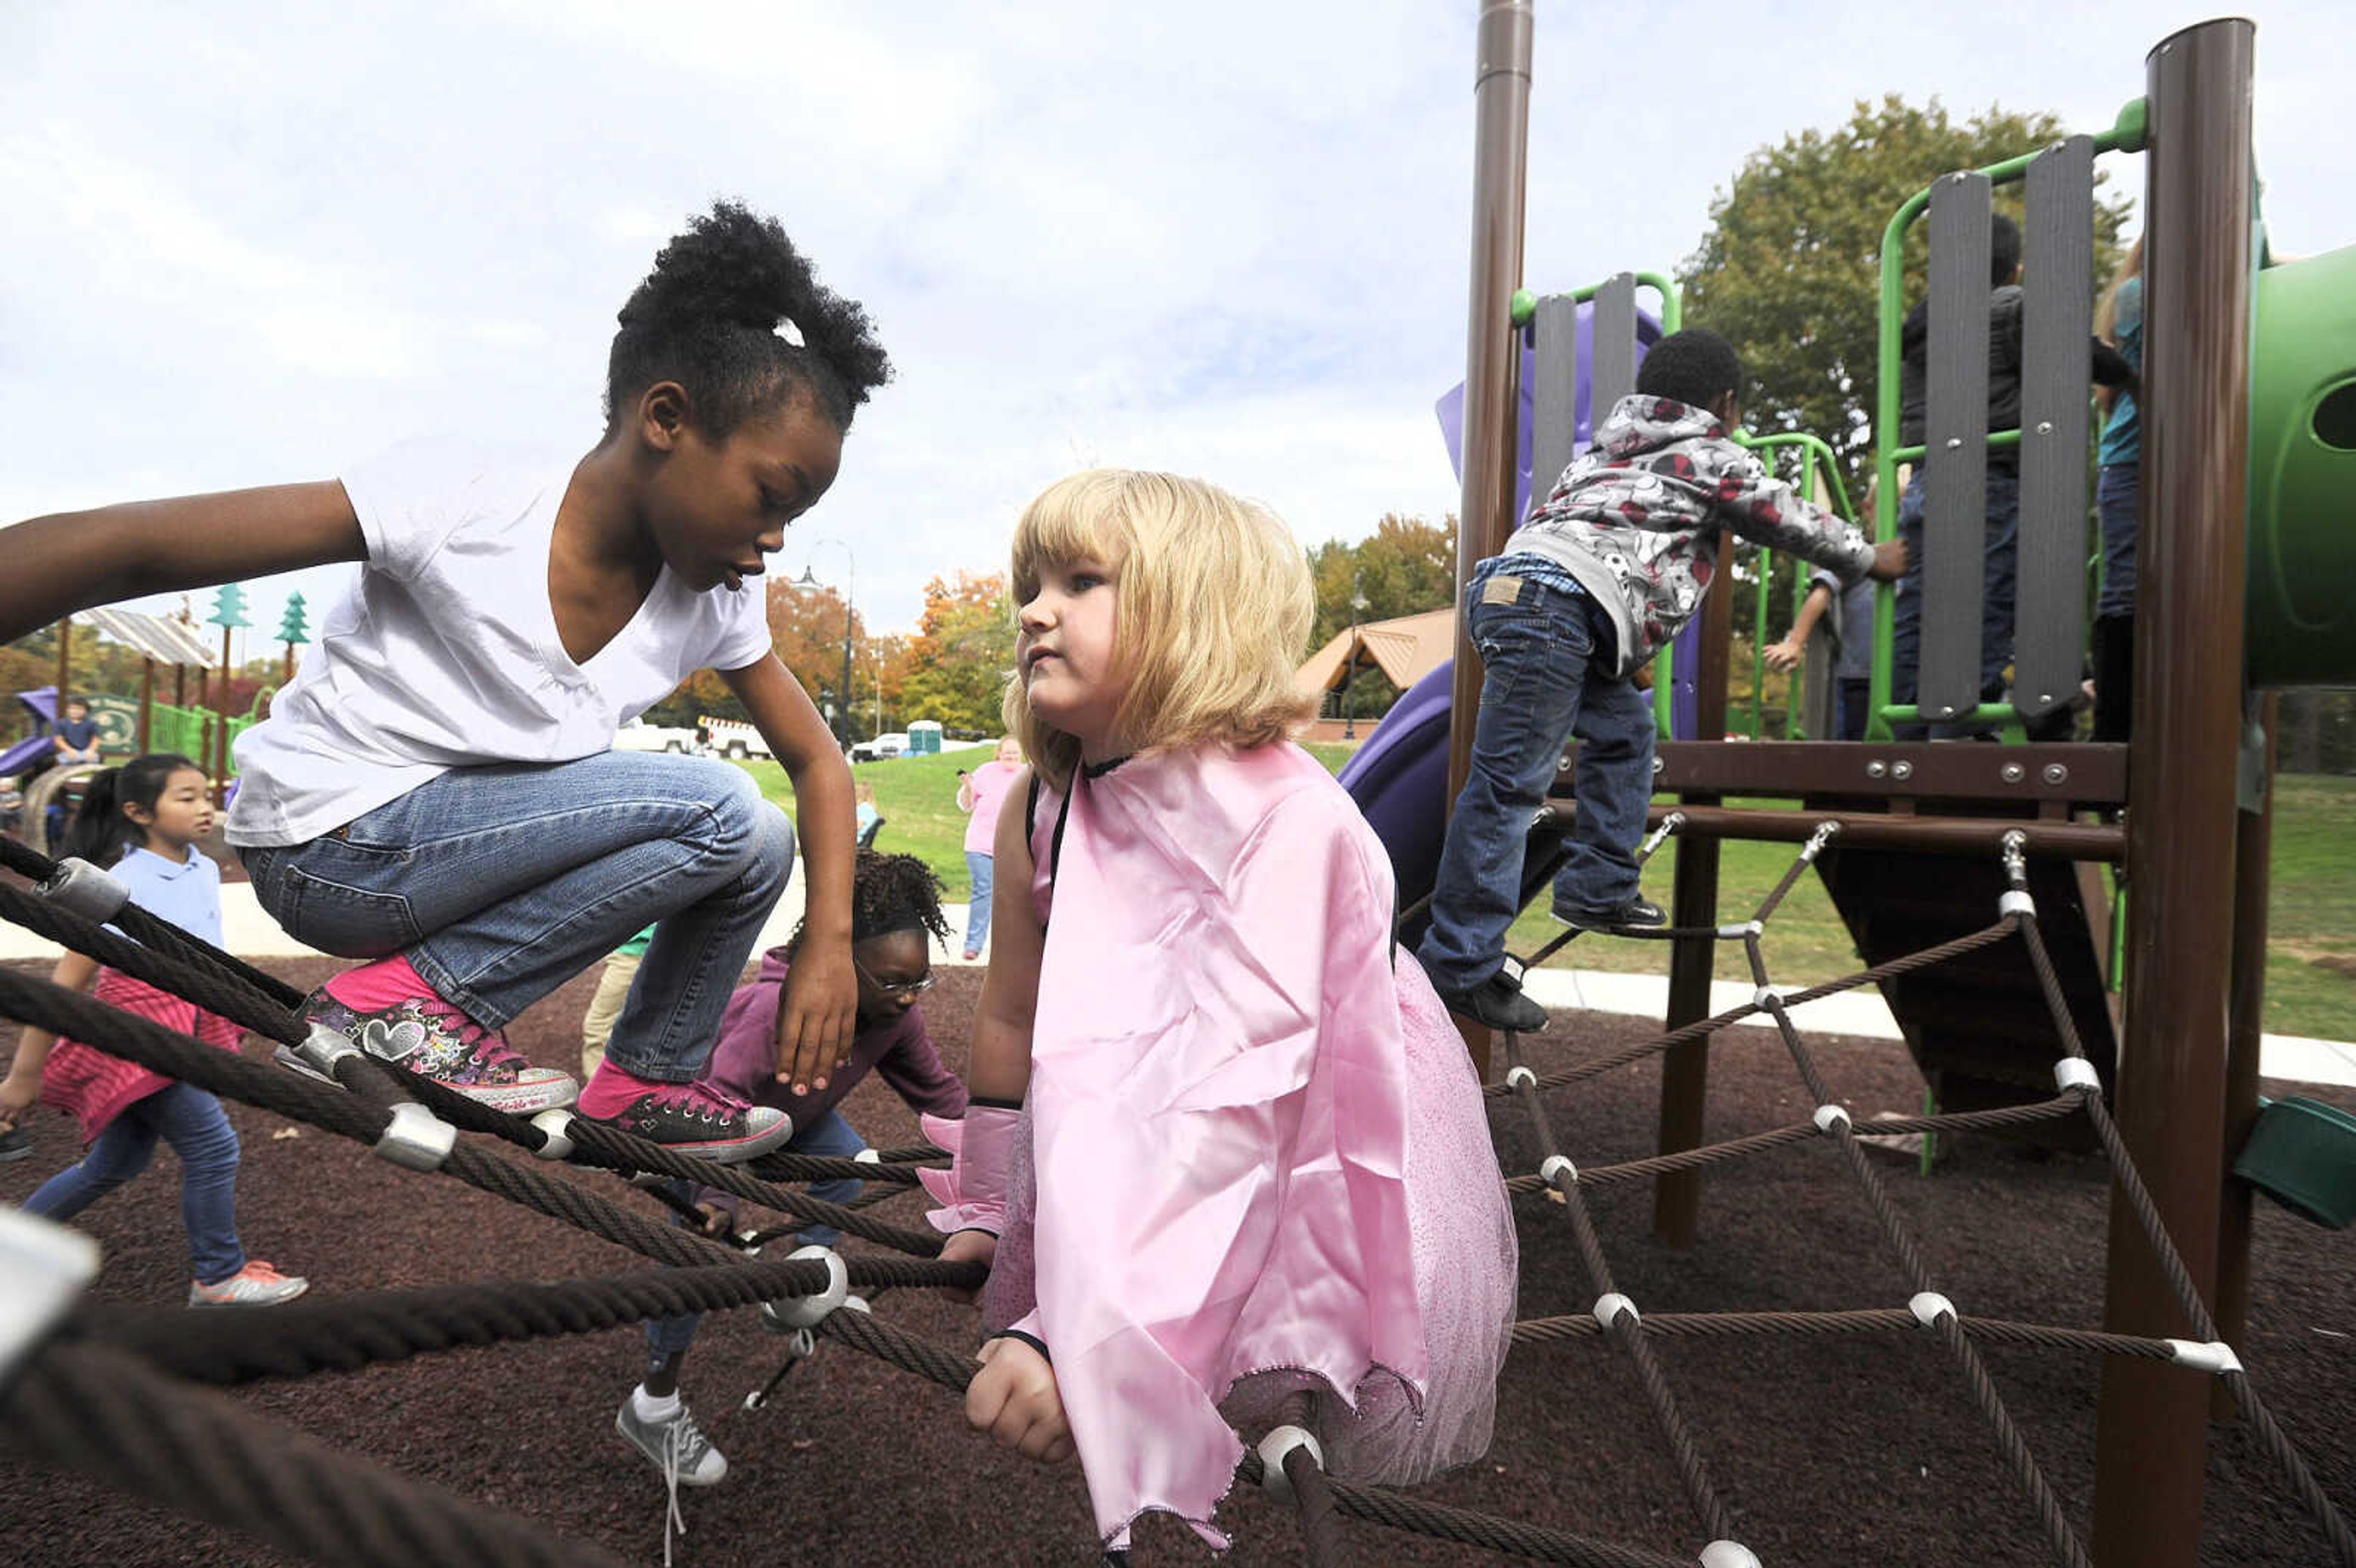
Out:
{"x": 383, "y": 984}
{"x": 611, "y": 1091}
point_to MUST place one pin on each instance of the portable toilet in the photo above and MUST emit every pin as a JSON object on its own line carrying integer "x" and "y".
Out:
{"x": 2302, "y": 540}
{"x": 925, "y": 739}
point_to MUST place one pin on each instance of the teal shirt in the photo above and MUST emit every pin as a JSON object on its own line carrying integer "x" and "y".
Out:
{"x": 2123, "y": 433}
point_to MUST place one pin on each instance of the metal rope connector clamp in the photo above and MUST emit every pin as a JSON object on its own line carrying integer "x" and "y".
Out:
{"x": 809, "y": 1311}
{"x": 2076, "y": 1073}
{"x": 1610, "y": 1306}
{"x": 1520, "y": 1077}
{"x": 2216, "y": 1357}
{"x": 81, "y": 887}
{"x": 46, "y": 1267}
{"x": 1929, "y": 1307}
{"x": 556, "y": 1132}
{"x": 416, "y": 1139}
{"x": 321, "y": 1048}
{"x": 2013, "y": 900}
{"x": 1827, "y": 1118}
{"x": 1824, "y": 834}
{"x": 1729, "y": 1554}
{"x": 1274, "y": 1450}
{"x": 1557, "y": 1165}
{"x": 867, "y": 1156}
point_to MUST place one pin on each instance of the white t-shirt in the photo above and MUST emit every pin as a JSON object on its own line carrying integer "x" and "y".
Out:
{"x": 443, "y": 652}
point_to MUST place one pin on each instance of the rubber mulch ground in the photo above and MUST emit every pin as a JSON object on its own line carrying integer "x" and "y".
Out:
{"x": 1834, "y": 1449}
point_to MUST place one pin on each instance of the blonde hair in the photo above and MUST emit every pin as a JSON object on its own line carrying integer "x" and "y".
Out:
{"x": 2106, "y": 318}
{"x": 1212, "y": 619}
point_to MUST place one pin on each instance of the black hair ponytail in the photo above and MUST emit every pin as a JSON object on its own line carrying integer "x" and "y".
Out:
{"x": 714, "y": 315}
{"x": 100, "y": 831}
{"x": 888, "y": 893}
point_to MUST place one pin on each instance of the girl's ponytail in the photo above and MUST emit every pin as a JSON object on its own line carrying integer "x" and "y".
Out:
{"x": 734, "y": 314}
{"x": 98, "y": 831}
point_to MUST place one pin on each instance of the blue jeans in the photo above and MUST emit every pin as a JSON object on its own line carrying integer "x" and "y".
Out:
{"x": 829, "y": 1136}
{"x": 500, "y": 883}
{"x": 977, "y": 909}
{"x": 1998, "y": 582}
{"x": 193, "y": 1123}
{"x": 1546, "y": 662}
{"x": 2117, "y": 502}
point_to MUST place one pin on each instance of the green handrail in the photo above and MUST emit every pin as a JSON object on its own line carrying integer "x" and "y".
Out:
{"x": 1816, "y": 456}
{"x": 2126, "y": 136}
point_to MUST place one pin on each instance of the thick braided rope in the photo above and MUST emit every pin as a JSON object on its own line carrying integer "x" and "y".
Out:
{"x": 354, "y": 1331}
{"x": 103, "y": 1413}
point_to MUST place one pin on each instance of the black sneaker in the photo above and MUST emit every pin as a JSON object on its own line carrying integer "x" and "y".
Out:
{"x": 1499, "y": 1003}
{"x": 1638, "y": 913}
{"x": 15, "y": 1144}
{"x": 696, "y": 1120}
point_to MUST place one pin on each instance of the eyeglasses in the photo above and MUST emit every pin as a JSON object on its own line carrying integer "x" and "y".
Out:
{"x": 921, "y": 984}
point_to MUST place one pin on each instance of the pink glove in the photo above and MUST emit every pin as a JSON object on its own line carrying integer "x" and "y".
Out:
{"x": 974, "y": 1186}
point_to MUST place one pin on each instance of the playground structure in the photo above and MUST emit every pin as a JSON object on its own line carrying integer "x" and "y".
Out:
{"x": 2192, "y": 848}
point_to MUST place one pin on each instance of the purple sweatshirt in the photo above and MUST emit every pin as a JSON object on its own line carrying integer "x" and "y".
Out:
{"x": 744, "y": 1062}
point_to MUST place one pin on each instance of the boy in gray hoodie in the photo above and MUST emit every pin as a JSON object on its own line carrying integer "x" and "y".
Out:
{"x": 1598, "y": 580}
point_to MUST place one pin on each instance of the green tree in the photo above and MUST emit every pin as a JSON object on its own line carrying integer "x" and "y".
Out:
{"x": 1405, "y": 567}
{"x": 1790, "y": 270}
{"x": 954, "y": 670}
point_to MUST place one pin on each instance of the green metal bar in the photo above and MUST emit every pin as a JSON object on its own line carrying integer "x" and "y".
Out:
{"x": 1523, "y": 308}
{"x": 2127, "y": 135}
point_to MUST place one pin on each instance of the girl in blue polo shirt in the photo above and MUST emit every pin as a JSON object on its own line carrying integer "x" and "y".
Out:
{"x": 144, "y": 820}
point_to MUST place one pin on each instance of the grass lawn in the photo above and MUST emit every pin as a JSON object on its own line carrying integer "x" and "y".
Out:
{"x": 2310, "y": 969}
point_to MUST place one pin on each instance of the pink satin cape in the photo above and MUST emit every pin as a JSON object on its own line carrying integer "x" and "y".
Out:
{"x": 1220, "y": 1108}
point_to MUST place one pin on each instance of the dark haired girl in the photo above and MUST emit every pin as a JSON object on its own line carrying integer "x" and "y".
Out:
{"x": 896, "y": 917}
{"x": 144, "y": 820}
{"x": 434, "y": 792}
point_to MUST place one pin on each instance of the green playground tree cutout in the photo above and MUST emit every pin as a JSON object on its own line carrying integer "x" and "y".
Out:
{"x": 291, "y": 631}
{"x": 228, "y": 607}
{"x": 1790, "y": 270}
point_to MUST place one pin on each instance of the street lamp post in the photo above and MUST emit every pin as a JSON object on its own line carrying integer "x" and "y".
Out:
{"x": 809, "y": 580}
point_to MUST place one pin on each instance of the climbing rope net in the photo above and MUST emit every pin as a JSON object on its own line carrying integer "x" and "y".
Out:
{"x": 104, "y": 1389}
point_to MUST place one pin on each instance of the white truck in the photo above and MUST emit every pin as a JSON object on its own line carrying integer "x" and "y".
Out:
{"x": 637, "y": 735}
{"x": 893, "y": 743}
{"x": 733, "y": 739}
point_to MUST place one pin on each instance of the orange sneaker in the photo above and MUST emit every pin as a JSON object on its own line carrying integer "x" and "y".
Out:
{"x": 255, "y": 1284}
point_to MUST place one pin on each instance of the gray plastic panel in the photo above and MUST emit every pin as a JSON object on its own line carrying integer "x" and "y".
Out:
{"x": 1954, "y": 457}
{"x": 1616, "y": 345}
{"x": 1553, "y": 399}
{"x": 2057, "y": 318}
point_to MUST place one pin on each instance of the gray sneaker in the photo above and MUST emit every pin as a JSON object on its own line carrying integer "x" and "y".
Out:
{"x": 677, "y": 1447}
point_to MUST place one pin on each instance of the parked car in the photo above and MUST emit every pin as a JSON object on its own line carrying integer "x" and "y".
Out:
{"x": 892, "y": 744}
{"x": 637, "y": 735}
{"x": 734, "y": 739}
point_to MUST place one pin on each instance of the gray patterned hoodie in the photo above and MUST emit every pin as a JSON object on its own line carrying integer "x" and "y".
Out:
{"x": 1637, "y": 517}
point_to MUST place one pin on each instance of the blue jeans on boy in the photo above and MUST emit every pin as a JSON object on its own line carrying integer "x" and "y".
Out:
{"x": 1546, "y": 657}
{"x": 500, "y": 883}
{"x": 977, "y": 909}
{"x": 1999, "y": 580}
{"x": 193, "y": 1123}
{"x": 829, "y": 1137}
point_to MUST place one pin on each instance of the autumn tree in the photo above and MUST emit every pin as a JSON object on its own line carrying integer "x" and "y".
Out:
{"x": 954, "y": 670}
{"x": 1790, "y": 270}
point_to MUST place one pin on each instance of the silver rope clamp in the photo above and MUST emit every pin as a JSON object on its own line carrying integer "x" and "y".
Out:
{"x": 80, "y": 888}
{"x": 1610, "y": 1306}
{"x": 809, "y": 1311}
{"x": 1817, "y": 842}
{"x": 1669, "y": 824}
{"x": 1929, "y": 1306}
{"x": 867, "y": 1156}
{"x": 1729, "y": 1554}
{"x": 1763, "y": 998}
{"x": 1827, "y": 1118}
{"x": 2076, "y": 1073}
{"x": 2216, "y": 1357}
{"x": 2014, "y": 901}
{"x": 321, "y": 1050}
{"x": 2016, "y": 855}
{"x": 1520, "y": 1077}
{"x": 1275, "y": 1448}
{"x": 1557, "y": 1165}
{"x": 556, "y": 1132}
{"x": 46, "y": 1267}
{"x": 415, "y": 1138}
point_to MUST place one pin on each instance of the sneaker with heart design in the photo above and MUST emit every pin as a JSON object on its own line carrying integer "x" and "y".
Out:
{"x": 434, "y": 1039}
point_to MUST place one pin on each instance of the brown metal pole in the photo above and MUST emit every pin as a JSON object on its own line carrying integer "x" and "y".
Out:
{"x": 1684, "y": 1069}
{"x": 1983, "y": 836}
{"x": 2182, "y": 767}
{"x": 1492, "y": 359}
{"x": 65, "y": 663}
{"x": 2253, "y": 881}
{"x": 221, "y": 737}
{"x": 146, "y": 703}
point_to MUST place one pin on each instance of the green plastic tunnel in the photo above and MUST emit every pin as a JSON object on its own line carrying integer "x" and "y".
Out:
{"x": 2302, "y": 540}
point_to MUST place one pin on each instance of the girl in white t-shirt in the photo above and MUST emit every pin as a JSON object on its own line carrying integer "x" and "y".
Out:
{"x": 435, "y": 791}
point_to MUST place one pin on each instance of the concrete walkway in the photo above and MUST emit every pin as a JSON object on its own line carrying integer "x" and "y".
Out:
{"x": 253, "y": 934}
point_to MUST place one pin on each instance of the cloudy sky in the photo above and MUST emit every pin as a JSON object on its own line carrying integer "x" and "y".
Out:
{"x": 250, "y": 245}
